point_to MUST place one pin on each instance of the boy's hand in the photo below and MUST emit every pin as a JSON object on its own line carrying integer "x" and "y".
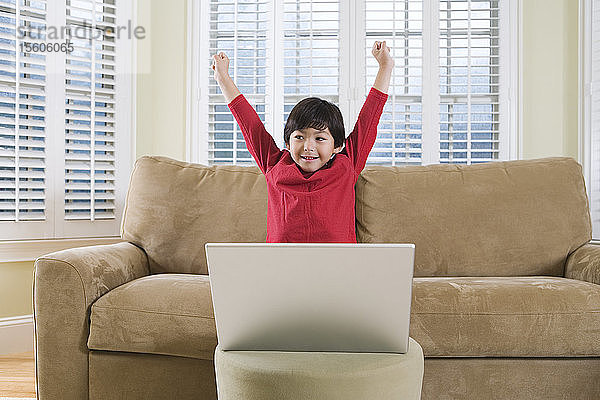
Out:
{"x": 382, "y": 54}
{"x": 220, "y": 65}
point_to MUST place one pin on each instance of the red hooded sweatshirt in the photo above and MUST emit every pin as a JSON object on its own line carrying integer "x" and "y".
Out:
{"x": 313, "y": 207}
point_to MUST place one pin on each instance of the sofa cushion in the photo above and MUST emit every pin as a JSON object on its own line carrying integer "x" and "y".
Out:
{"x": 506, "y": 317}
{"x": 168, "y": 314}
{"x": 173, "y": 208}
{"x": 172, "y": 314}
{"x": 513, "y": 218}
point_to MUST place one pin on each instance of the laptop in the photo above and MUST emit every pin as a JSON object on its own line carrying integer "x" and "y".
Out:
{"x": 311, "y": 297}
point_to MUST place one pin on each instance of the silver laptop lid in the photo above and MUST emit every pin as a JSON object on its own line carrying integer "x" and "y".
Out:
{"x": 311, "y": 297}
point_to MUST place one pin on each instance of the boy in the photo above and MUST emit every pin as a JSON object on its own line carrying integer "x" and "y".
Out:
{"x": 311, "y": 183}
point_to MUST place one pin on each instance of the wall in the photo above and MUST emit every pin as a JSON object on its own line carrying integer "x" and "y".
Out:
{"x": 161, "y": 82}
{"x": 550, "y": 78}
{"x": 16, "y": 289}
{"x": 550, "y": 81}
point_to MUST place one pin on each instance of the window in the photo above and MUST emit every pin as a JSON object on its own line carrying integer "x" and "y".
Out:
{"x": 240, "y": 30}
{"x": 311, "y": 52}
{"x": 64, "y": 119}
{"x": 400, "y": 130}
{"x": 23, "y": 114}
{"x": 590, "y": 39}
{"x": 448, "y": 98}
{"x": 469, "y": 81}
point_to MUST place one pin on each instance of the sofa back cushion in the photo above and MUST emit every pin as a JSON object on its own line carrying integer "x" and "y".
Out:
{"x": 173, "y": 208}
{"x": 495, "y": 219}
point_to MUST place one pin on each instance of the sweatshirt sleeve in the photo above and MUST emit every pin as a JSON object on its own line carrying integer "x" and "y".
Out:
{"x": 360, "y": 142}
{"x": 259, "y": 142}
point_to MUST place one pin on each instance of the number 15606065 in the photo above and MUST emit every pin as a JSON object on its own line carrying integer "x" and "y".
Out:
{"x": 27, "y": 47}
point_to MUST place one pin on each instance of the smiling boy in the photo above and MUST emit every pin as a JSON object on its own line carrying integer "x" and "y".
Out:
{"x": 310, "y": 184}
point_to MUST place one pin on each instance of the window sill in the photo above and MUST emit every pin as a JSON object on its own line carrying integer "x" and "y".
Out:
{"x": 29, "y": 250}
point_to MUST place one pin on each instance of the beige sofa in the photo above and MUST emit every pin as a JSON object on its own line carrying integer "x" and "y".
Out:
{"x": 506, "y": 292}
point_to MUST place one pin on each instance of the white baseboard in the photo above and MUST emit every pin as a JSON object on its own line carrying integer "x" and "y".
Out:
{"x": 16, "y": 334}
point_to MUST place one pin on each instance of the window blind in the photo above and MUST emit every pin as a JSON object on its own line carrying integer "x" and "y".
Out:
{"x": 239, "y": 28}
{"x": 469, "y": 81}
{"x": 23, "y": 165}
{"x": 399, "y": 23}
{"x": 311, "y": 56}
{"x": 64, "y": 126}
{"x": 90, "y": 112}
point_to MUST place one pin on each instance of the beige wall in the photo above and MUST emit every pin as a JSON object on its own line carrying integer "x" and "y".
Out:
{"x": 549, "y": 98}
{"x": 161, "y": 82}
{"x": 550, "y": 78}
{"x": 16, "y": 288}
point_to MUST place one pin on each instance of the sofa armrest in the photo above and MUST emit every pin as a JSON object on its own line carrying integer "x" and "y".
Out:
{"x": 584, "y": 264}
{"x": 65, "y": 285}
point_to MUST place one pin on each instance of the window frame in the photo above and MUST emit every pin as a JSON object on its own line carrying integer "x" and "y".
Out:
{"x": 352, "y": 97}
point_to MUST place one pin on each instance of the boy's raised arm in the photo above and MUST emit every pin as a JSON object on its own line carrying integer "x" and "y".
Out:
{"x": 382, "y": 80}
{"x": 230, "y": 91}
{"x": 259, "y": 142}
{"x": 360, "y": 142}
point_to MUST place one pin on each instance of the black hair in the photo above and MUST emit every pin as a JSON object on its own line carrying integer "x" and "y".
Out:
{"x": 315, "y": 113}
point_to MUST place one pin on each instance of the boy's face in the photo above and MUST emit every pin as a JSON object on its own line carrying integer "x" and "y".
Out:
{"x": 311, "y": 148}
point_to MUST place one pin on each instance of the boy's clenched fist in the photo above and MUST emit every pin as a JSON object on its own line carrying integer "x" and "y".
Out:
{"x": 220, "y": 65}
{"x": 382, "y": 54}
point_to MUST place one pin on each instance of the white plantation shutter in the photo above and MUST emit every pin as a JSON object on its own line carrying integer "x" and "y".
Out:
{"x": 90, "y": 113}
{"x": 311, "y": 54}
{"x": 400, "y": 130}
{"x": 469, "y": 81}
{"x": 69, "y": 176}
{"x": 468, "y": 91}
{"x": 23, "y": 135}
{"x": 593, "y": 117}
{"x": 239, "y": 29}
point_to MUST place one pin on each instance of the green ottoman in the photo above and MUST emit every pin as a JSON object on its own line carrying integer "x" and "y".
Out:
{"x": 266, "y": 375}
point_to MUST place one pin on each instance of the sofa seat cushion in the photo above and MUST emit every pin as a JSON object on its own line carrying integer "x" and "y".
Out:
{"x": 536, "y": 316}
{"x": 169, "y": 314}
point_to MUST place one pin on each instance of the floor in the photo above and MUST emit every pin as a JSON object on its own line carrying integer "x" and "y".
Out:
{"x": 17, "y": 375}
